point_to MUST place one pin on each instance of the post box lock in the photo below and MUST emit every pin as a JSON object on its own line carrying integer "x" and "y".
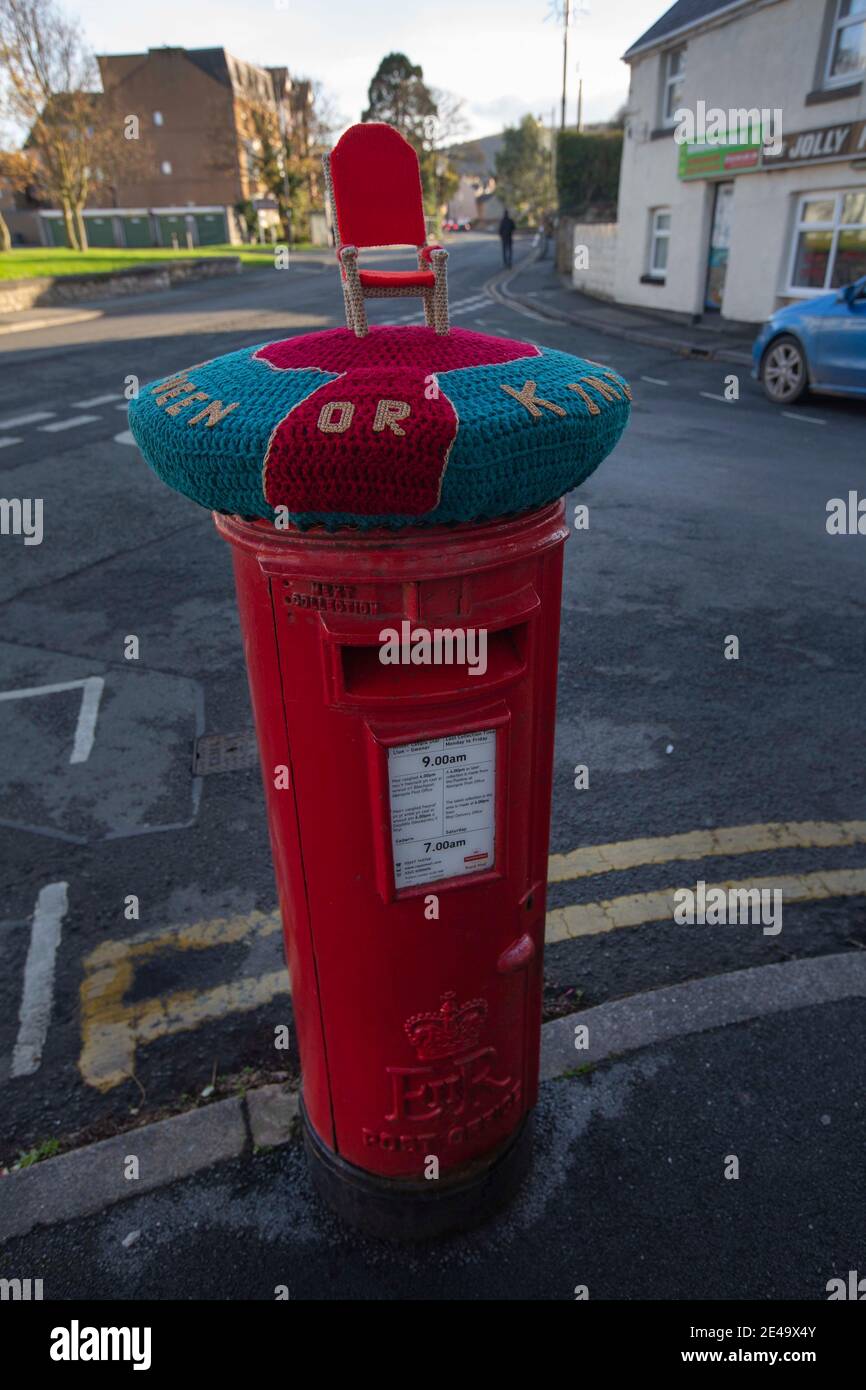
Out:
{"x": 517, "y": 956}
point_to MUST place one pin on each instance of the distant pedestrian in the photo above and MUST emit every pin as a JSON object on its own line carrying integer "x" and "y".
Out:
{"x": 547, "y": 230}
{"x": 506, "y": 234}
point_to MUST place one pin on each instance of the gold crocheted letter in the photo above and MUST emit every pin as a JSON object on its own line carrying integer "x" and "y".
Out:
{"x": 327, "y": 423}
{"x": 609, "y": 391}
{"x": 213, "y": 413}
{"x": 187, "y": 400}
{"x": 594, "y": 407}
{"x": 605, "y": 371}
{"x": 526, "y": 395}
{"x": 387, "y": 415}
{"x": 174, "y": 388}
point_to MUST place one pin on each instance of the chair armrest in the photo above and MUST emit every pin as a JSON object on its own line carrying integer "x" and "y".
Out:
{"x": 429, "y": 253}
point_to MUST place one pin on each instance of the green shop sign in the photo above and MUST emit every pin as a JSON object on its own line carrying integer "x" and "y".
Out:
{"x": 701, "y": 161}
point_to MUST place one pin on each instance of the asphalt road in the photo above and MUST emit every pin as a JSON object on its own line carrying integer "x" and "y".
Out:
{"x": 707, "y": 521}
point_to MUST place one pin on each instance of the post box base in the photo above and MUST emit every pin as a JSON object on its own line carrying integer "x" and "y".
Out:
{"x": 409, "y": 1209}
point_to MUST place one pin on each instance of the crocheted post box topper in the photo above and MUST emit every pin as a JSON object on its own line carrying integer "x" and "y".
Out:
{"x": 402, "y": 427}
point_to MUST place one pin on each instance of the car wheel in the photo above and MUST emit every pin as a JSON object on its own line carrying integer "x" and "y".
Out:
{"x": 784, "y": 371}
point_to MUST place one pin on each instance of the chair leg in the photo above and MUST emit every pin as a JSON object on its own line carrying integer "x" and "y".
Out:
{"x": 347, "y": 301}
{"x": 440, "y": 291}
{"x": 356, "y": 314}
{"x": 361, "y": 326}
{"x": 429, "y": 317}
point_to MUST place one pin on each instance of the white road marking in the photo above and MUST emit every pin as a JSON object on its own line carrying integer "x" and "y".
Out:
{"x": 125, "y": 437}
{"x": 655, "y": 381}
{"x": 72, "y": 423}
{"x": 122, "y": 405}
{"x": 12, "y": 421}
{"x": 708, "y": 395}
{"x": 807, "y": 419}
{"x": 37, "y": 997}
{"x": 85, "y": 729}
{"x": 95, "y": 400}
{"x": 4, "y": 443}
{"x": 462, "y": 306}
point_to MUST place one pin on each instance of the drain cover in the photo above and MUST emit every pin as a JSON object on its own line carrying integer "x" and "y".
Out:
{"x": 224, "y": 753}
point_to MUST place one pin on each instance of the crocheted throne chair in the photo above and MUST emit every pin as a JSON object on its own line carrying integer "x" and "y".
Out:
{"x": 373, "y": 183}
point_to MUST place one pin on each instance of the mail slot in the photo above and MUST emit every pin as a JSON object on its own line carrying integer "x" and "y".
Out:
{"x": 409, "y": 808}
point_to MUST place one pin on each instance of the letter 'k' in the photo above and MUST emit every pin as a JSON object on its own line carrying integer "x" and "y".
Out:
{"x": 526, "y": 395}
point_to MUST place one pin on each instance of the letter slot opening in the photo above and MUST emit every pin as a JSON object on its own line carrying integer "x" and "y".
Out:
{"x": 432, "y": 672}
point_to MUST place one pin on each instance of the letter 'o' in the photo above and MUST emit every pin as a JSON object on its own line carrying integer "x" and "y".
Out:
{"x": 327, "y": 423}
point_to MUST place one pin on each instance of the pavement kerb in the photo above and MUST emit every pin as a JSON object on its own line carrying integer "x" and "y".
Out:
{"x": 31, "y": 325}
{"x": 86, "y": 1180}
{"x": 683, "y": 347}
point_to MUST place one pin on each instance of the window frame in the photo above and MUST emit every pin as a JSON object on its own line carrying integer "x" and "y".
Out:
{"x": 655, "y": 236}
{"x": 667, "y": 122}
{"x": 841, "y": 22}
{"x": 835, "y": 227}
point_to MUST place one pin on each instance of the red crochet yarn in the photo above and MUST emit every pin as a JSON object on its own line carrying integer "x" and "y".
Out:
{"x": 352, "y": 466}
{"x": 338, "y": 350}
{"x": 377, "y": 187}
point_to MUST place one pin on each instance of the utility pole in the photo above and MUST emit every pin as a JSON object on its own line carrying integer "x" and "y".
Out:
{"x": 579, "y": 104}
{"x": 566, "y": 20}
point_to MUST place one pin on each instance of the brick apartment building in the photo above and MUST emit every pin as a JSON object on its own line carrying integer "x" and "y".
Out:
{"x": 199, "y": 111}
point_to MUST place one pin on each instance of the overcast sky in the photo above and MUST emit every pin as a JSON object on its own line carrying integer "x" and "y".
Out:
{"x": 503, "y": 56}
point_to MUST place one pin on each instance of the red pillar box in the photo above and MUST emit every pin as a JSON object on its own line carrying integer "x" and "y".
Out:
{"x": 409, "y": 809}
{"x": 392, "y": 497}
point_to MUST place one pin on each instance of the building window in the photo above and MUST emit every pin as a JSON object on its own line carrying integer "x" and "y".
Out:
{"x": 846, "y": 58}
{"x": 660, "y": 235}
{"x": 674, "y": 71}
{"x": 157, "y": 118}
{"x": 165, "y": 167}
{"x": 829, "y": 242}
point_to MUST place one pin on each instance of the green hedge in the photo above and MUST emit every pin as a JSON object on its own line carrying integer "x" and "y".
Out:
{"x": 587, "y": 171}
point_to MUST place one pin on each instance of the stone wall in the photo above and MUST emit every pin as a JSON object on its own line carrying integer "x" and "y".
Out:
{"x": 74, "y": 289}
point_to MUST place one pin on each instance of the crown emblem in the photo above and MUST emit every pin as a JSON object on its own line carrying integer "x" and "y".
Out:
{"x": 452, "y": 1028}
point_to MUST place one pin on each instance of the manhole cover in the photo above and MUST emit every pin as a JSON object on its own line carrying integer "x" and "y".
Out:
{"x": 224, "y": 753}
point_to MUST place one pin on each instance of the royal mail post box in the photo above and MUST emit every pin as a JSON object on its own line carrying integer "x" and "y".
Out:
{"x": 409, "y": 807}
{"x": 392, "y": 499}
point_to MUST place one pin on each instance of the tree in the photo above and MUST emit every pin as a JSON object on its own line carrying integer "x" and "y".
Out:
{"x": 50, "y": 88}
{"x": 399, "y": 96}
{"x": 259, "y": 129}
{"x": 446, "y": 128}
{"x": 523, "y": 178}
{"x": 431, "y": 120}
{"x": 587, "y": 172}
{"x": 619, "y": 117}
{"x": 314, "y": 120}
{"x": 18, "y": 172}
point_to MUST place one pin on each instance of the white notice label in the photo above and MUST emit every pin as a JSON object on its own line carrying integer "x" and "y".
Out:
{"x": 442, "y": 806}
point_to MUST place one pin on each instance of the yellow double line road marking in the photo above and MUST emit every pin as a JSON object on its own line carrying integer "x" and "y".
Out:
{"x": 589, "y": 919}
{"x": 633, "y": 910}
{"x": 113, "y": 1026}
{"x": 704, "y": 844}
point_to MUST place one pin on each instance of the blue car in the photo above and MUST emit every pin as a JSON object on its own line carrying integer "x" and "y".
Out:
{"x": 819, "y": 345}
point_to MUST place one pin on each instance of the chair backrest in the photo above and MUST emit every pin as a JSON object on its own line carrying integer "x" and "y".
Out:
{"x": 376, "y": 181}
